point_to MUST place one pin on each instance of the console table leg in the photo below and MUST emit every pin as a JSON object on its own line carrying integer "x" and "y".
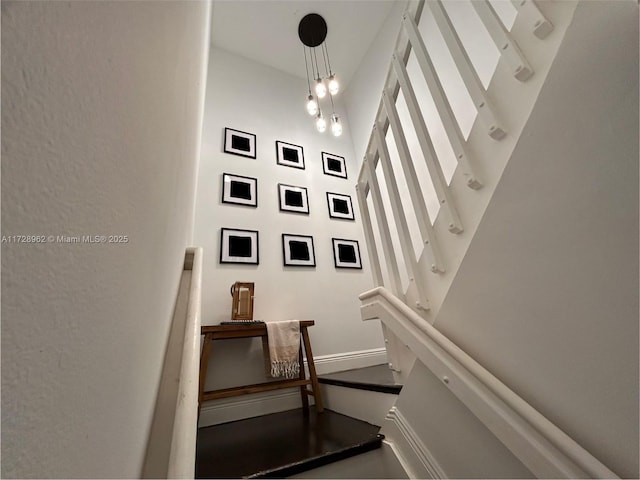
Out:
{"x": 303, "y": 376}
{"x": 204, "y": 363}
{"x": 312, "y": 370}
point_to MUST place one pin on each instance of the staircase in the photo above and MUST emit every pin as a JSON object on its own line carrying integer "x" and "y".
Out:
{"x": 510, "y": 313}
{"x": 343, "y": 441}
{"x": 475, "y": 206}
{"x": 365, "y": 393}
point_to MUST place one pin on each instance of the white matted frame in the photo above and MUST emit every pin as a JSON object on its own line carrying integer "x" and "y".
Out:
{"x": 334, "y": 165}
{"x": 293, "y": 199}
{"x": 346, "y": 253}
{"x": 340, "y": 206}
{"x": 240, "y": 143}
{"x": 239, "y": 190}
{"x": 298, "y": 251}
{"x": 239, "y": 246}
{"x": 289, "y": 155}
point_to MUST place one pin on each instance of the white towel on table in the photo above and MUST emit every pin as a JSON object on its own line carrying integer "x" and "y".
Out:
{"x": 284, "y": 347}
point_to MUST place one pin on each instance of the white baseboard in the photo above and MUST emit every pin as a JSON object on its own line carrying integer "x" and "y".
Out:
{"x": 237, "y": 408}
{"x": 247, "y": 406}
{"x": 338, "y": 362}
{"x": 412, "y": 454}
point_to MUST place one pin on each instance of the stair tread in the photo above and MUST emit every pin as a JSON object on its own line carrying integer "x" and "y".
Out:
{"x": 281, "y": 444}
{"x": 377, "y": 378}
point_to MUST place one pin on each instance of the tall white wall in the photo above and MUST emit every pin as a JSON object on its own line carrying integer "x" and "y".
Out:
{"x": 363, "y": 94}
{"x": 251, "y": 97}
{"x": 102, "y": 105}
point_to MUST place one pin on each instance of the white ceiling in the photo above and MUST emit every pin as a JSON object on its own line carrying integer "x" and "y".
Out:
{"x": 267, "y": 31}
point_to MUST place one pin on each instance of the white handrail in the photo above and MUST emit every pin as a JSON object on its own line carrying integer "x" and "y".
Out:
{"x": 545, "y": 449}
{"x": 185, "y": 427}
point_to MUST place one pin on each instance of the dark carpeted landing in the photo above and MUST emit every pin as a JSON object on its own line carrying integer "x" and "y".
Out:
{"x": 281, "y": 444}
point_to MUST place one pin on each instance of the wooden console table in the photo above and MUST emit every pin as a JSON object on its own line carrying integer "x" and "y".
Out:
{"x": 225, "y": 332}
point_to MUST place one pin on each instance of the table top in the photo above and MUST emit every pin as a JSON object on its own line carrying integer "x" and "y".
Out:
{"x": 242, "y": 329}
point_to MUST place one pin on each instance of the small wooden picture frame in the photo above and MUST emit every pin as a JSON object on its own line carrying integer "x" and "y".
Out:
{"x": 242, "y": 303}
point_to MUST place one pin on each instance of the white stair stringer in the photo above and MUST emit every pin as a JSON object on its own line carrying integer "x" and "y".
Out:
{"x": 535, "y": 441}
{"x": 514, "y": 101}
{"x": 365, "y": 405}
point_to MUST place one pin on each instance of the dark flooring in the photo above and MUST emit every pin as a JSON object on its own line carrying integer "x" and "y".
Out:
{"x": 378, "y": 378}
{"x": 281, "y": 444}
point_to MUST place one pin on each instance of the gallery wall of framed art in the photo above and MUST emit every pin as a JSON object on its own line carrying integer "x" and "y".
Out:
{"x": 271, "y": 219}
{"x": 263, "y": 218}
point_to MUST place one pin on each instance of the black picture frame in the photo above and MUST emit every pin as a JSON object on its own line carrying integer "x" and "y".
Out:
{"x": 289, "y": 155}
{"x": 334, "y": 165}
{"x": 237, "y": 142}
{"x": 346, "y": 253}
{"x": 293, "y": 199}
{"x": 340, "y": 206}
{"x": 239, "y": 246}
{"x": 239, "y": 190}
{"x": 298, "y": 250}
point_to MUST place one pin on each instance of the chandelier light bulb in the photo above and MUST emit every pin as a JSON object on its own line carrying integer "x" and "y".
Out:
{"x": 312, "y": 105}
{"x": 321, "y": 89}
{"x": 321, "y": 123}
{"x": 336, "y": 126}
{"x": 334, "y": 86}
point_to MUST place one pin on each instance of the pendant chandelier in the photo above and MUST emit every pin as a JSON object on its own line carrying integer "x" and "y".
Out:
{"x": 312, "y": 31}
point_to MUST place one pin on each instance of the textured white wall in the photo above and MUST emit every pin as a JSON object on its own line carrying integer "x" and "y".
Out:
{"x": 101, "y": 117}
{"x": 248, "y": 96}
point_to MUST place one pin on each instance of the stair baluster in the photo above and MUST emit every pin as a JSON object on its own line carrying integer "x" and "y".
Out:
{"x": 504, "y": 41}
{"x": 422, "y": 214}
{"x": 440, "y": 100}
{"x": 374, "y": 258}
{"x": 406, "y": 247}
{"x": 469, "y": 75}
{"x": 426, "y": 144}
{"x": 542, "y": 27}
{"x": 383, "y": 226}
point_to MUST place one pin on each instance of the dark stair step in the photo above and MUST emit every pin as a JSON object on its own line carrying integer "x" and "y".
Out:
{"x": 376, "y": 379}
{"x": 281, "y": 444}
